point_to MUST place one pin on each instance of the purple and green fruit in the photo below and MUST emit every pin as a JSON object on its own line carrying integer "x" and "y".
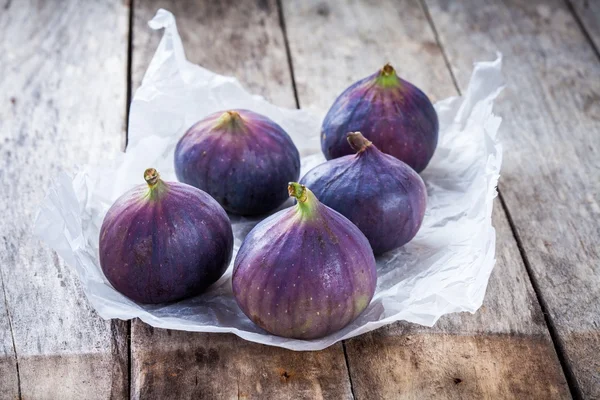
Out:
{"x": 381, "y": 195}
{"x": 242, "y": 159}
{"x": 164, "y": 241}
{"x": 392, "y": 113}
{"x": 304, "y": 272}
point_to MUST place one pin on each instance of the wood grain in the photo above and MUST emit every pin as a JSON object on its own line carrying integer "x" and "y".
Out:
{"x": 425, "y": 365}
{"x": 551, "y": 179}
{"x": 244, "y": 40}
{"x": 588, "y": 11}
{"x": 502, "y": 352}
{"x": 333, "y": 44}
{"x": 183, "y": 365}
{"x": 496, "y": 353}
{"x": 62, "y": 102}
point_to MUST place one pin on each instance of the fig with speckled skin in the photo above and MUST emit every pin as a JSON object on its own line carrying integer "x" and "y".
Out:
{"x": 242, "y": 159}
{"x": 392, "y": 113}
{"x": 304, "y": 272}
{"x": 380, "y": 194}
{"x": 164, "y": 241}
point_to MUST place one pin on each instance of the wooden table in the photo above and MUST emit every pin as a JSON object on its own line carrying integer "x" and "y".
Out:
{"x": 67, "y": 71}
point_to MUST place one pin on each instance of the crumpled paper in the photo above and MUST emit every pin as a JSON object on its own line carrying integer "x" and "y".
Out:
{"x": 444, "y": 269}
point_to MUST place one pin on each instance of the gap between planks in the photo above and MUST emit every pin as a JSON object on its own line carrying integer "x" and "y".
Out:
{"x": 348, "y": 368}
{"x": 574, "y": 388}
{"x": 291, "y": 66}
{"x": 129, "y": 96}
{"x": 12, "y": 336}
{"x": 129, "y": 89}
{"x": 287, "y": 51}
{"x": 582, "y": 27}
{"x": 439, "y": 43}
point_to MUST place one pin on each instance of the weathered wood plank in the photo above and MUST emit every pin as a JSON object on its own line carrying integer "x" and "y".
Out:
{"x": 333, "y": 44}
{"x": 244, "y": 40}
{"x": 502, "y": 352}
{"x": 185, "y": 365}
{"x": 62, "y": 102}
{"x": 551, "y": 179}
{"x": 496, "y": 353}
{"x": 588, "y": 12}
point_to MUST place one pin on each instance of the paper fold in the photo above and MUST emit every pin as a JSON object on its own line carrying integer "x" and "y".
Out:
{"x": 445, "y": 269}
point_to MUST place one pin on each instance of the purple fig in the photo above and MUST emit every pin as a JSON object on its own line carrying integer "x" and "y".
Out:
{"x": 164, "y": 241}
{"x": 241, "y": 158}
{"x": 380, "y": 194}
{"x": 304, "y": 272}
{"x": 389, "y": 111}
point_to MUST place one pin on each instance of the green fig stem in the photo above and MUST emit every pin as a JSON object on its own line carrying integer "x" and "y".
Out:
{"x": 230, "y": 119}
{"x": 155, "y": 184}
{"x": 307, "y": 202}
{"x": 358, "y": 142}
{"x": 387, "y": 69}
{"x": 151, "y": 177}
{"x": 387, "y": 77}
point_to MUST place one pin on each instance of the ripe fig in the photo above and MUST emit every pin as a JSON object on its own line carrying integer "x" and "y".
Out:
{"x": 380, "y": 194}
{"x": 389, "y": 111}
{"x": 164, "y": 241}
{"x": 239, "y": 157}
{"x": 304, "y": 272}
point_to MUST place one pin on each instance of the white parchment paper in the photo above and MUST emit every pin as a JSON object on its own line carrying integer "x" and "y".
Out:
{"x": 444, "y": 269}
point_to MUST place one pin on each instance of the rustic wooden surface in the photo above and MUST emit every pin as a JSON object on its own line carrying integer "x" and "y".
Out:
{"x": 247, "y": 42}
{"x": 551, "y": 172}
{"x": 241, "y": 38}
{"x": 182, "y": 365}
{"x": 52, "y": 345}
{"x": 333, "y": 44}
{"x": 463, "y": 356}
{"x": 62, "y": 102}
{"x": 502, "y": 352}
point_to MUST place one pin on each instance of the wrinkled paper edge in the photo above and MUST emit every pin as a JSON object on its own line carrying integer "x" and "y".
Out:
{"x": 62, "y": 209}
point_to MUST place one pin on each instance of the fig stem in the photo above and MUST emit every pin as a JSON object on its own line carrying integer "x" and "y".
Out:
{"x": 229, "y": 119}
{"x": 298, "y": 191}
{"x": 387, "y": 69}
{"x": 156, "y": 187}
{"x": 307, "y": 202}
{"x": 387, "y": 77}
{"x": 358, "y": 142}
{"x": 151, "y": 177}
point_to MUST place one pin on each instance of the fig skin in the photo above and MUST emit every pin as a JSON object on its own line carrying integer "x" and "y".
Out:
{"x": 242, "y": 159}
{"x": 304, "y": 272}
{"x": 392, "y": 113}
{"x": 381, "y": 195}
{"x": 164, "y": 241}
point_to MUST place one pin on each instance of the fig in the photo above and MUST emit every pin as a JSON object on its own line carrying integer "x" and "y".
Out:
{"x": 389, "y": 111}
{"x": 241, "y": 158}
{"x": 164, "y": 241}
{"x": 305, "y": 271}
{"x": 380, "y": 194}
